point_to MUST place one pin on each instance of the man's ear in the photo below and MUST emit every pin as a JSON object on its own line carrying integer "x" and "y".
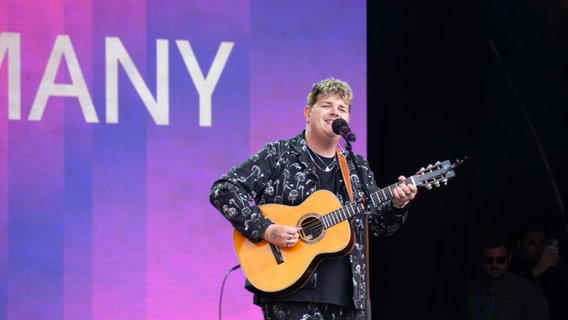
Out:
{"x": 307, "y": 112}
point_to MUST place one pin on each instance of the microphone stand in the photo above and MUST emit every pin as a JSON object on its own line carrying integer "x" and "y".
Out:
{"x": 351, "y": 156}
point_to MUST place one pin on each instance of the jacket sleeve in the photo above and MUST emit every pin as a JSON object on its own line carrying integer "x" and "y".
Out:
{"x": 235, "y": 192}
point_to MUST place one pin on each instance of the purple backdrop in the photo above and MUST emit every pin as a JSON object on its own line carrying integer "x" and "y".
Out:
{"x": 116, "y": 117}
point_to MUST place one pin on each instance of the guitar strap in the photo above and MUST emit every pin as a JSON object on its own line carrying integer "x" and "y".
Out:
{"x": 345, "y": 173}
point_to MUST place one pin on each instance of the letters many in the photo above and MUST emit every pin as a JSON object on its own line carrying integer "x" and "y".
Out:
{"x": 115, "y": 55}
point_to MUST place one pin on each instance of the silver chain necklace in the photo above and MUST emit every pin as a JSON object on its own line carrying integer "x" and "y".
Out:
{"x": 328, "y": 167}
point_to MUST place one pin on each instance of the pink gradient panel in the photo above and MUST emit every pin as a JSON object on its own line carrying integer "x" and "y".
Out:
{"x": 3, "y": 174}
{"x": 35, "y": 174}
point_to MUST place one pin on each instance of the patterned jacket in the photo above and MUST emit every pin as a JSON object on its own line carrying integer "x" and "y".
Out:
{"x": 282, "y": 172}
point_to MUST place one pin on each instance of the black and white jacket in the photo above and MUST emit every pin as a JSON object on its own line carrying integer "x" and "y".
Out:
{"x": 282, "y": 172}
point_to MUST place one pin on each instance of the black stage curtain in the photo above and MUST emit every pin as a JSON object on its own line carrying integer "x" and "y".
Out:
{"x": 454, "y": 79}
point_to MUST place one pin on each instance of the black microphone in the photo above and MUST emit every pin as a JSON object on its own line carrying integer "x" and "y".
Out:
{"x": 340, "y": 127}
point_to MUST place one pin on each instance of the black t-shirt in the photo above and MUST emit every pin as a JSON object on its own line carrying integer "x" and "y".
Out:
{"x": 332, "y": 280}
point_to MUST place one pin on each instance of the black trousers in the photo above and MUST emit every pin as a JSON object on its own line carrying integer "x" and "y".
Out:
{"x": 309, "y": 311}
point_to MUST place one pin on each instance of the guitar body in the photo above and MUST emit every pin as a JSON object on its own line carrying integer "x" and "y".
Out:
{"x": 281, "y": 271}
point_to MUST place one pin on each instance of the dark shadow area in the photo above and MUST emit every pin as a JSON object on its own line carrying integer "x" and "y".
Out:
{"x": 454, "y": 79}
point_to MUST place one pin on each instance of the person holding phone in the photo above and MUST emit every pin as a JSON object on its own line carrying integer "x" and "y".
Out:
{"x": 539, "y": 260}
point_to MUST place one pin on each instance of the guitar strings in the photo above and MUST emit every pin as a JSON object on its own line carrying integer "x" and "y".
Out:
{"x": 318, "y": 223}
{"x": 375, "y": 197}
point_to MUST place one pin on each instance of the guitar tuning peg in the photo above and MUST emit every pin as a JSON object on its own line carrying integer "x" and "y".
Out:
{"x": 429, "y": 187}
{"x": 437, "y": 184}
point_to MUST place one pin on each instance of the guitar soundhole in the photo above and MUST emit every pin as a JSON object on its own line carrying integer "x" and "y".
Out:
{"x": 312, "y": 229}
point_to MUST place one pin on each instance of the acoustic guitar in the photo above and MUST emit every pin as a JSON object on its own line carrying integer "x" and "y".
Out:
{"x": 325, "y": 232}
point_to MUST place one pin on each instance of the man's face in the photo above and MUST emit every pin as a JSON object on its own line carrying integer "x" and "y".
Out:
{"x": 326, "y": 109}
{"x": 495, "y": 261}
{"x": 532, "y": 246}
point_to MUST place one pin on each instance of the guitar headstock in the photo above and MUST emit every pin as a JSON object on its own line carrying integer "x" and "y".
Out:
{"x": 434, "y": 175}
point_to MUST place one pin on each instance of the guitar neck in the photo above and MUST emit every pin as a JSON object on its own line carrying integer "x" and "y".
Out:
{"x": 353, "y": 209}
{"x": 386, "y": 193}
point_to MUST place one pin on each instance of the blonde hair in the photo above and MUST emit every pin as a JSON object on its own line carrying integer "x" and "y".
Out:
{"x": 330, "y": 86}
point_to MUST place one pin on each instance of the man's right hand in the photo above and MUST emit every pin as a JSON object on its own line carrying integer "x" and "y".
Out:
{"x": 282, "y": 236}
{"x": 547, "y": 260}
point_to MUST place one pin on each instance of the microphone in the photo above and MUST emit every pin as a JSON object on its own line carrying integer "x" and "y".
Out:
{"x": 340, "y": 127}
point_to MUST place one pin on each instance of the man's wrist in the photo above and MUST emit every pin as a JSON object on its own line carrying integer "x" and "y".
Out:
{"x": 401, "y": 206}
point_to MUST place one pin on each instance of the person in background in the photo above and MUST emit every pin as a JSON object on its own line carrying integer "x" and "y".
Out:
{"x": 500, "y": 294}
{"x": 538, "y": 259}
{"x": 288, "y": 172}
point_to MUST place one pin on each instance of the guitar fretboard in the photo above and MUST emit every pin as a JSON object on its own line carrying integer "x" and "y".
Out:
{"x": 342, "y": 214}
{"x": 352, "y": 209}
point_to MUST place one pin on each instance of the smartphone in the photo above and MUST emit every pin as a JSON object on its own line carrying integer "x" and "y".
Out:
{"x": 551, "y": 246}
